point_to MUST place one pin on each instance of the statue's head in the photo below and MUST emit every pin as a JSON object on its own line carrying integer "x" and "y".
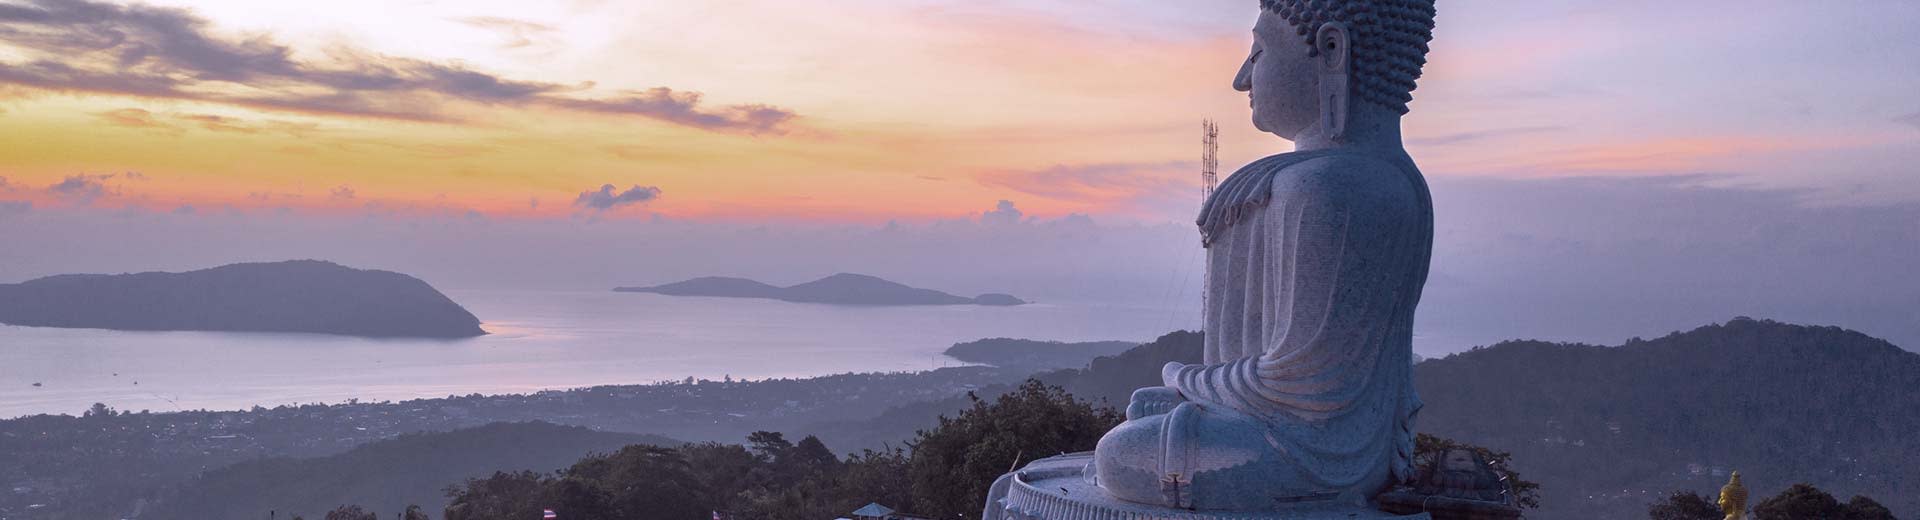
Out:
{"x": 1317, "y": 61}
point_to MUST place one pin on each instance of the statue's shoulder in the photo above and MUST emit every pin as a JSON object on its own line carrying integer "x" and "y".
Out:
{"x": 1349, "y": 179}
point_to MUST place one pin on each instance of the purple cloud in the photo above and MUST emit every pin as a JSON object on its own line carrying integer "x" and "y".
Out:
{"x": 81, "y": 189}
{"x": 607, "y": 199}
{"x": 1003, "y": 213}
{"x": 163, "y": 52}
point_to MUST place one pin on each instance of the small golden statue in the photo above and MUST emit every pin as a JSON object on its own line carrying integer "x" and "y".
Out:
{"x": 1733, "y": 498}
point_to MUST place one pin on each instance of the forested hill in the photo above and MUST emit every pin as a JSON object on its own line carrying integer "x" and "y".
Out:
{"x": 1780, "y": 403}
{"x": 388, "y": 475}
{"x": 294, "y": 296}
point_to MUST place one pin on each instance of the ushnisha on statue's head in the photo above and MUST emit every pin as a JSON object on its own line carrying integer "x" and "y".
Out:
{"x": 1324, "y": 72}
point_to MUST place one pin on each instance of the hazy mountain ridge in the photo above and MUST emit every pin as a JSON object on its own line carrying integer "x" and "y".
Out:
{"x": 839, "y": 289}
{"x": 1780, "y": 403}
{"x": 388, "y": 475}
{"x": 307, "y": 296}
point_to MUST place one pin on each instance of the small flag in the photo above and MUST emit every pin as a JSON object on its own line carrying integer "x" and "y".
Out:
{"x": 547, "y": 514}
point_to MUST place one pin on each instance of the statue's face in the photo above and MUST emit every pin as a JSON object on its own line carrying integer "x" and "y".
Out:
{"x": 1280, "y": 78}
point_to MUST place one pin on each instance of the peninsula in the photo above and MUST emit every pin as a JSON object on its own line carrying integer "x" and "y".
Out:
{"x": 294, "y": 296}
{"x": 839, "y": 289}
{"x": 1010, "y": 352}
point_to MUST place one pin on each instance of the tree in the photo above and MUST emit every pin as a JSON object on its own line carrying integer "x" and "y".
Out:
{"x": 1803, "y": 501}
{"x": 724, "y": 471}
{"x": 953, "y": 465}
{"x": 351, "y": 512}
{"x": 413, "y": 512}
{"x": 874, "y": 476}
{"x": 1800, "y": 502}
{"x": 770, "y": 446}
{"x": 1685, "y": 505}
{"x": 98, "y": 411}
{"x": 502, "y": 495}
{"x": 1526, "y": 495}
{"x": 811, "y": 456}
{"x": 1863, "y": 508}
{"x": 577, "y": 498}
{"x": 639, "y": 481}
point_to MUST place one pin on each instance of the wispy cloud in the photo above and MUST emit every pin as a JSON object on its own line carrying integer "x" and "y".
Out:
{"x": 1911, "y": 119}
{"x": 220, "y": 123}
{"x": 518, "y": 33}
{"x": 141, "y": 50}
{"x": 1462, "y": 137}
{"x": 136, "y": 118}
{"x": 606, "y": 198}
{"x": 1104, "y": 181}
{"x": 684, "y": 108}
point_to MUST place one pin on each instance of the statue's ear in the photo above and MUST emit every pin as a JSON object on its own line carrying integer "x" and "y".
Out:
{"x": 1333, "y": 45}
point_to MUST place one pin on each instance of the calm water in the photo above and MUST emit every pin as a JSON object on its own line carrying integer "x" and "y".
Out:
{"x": 541, "y": 340}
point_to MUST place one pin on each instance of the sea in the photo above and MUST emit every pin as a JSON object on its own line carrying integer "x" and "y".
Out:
{"x": 538, "y": 340}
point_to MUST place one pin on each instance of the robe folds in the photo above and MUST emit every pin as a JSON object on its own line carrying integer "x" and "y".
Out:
{"x": 1315, "y": 263}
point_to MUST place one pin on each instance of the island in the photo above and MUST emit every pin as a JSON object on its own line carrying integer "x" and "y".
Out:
{"x": 839, "y": 289}
{"x": 306, "y": 296}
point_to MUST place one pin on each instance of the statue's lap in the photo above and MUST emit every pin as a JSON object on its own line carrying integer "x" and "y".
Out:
{"x": 1208, "y": 457}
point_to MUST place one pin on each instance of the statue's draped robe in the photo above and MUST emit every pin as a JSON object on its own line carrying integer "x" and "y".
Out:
{"x": 1312, "y": 280}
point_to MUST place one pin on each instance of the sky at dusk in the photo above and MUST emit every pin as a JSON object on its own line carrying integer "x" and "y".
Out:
{"x": 591, "y": 143}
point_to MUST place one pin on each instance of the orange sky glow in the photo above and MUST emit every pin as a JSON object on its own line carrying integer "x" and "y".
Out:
{"x": 894, "y": 110}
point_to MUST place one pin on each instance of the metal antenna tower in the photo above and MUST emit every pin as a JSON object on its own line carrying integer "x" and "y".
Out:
{"x": 1209, "y": 159}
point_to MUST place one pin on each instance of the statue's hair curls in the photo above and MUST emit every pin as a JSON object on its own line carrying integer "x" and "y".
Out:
{"x": 1389, "y": 41}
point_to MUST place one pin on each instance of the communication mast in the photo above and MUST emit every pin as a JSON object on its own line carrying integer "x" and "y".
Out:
{"x": 1209, "y": 159}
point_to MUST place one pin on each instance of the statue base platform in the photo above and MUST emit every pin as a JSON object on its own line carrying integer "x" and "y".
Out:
{"x": 1059, "y": 488}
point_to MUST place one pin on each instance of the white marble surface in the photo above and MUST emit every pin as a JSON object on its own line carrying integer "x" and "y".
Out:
{"x": 1315, "y": 264}
{"x": 1058, "y": 487}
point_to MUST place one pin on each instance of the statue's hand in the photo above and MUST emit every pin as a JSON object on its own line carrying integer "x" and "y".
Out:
{"x": 1153, "y": 400}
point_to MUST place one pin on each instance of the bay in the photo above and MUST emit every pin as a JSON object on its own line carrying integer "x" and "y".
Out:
{"x": 540, "y": 340}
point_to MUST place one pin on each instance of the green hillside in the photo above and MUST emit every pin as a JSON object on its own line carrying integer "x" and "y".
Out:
{"x": 386, "y": 476}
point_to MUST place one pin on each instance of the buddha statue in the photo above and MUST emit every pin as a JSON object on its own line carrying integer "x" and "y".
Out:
{"x": 1304, "y": 405}
{"x": 1733, "y": 498}
{"x": 1315, "y": 262}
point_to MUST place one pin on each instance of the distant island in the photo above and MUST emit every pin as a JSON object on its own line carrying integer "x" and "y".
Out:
{"x": 1009, "y": 352}
{"x": 839, "y": 289}
{"x": 294, "y": 296}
